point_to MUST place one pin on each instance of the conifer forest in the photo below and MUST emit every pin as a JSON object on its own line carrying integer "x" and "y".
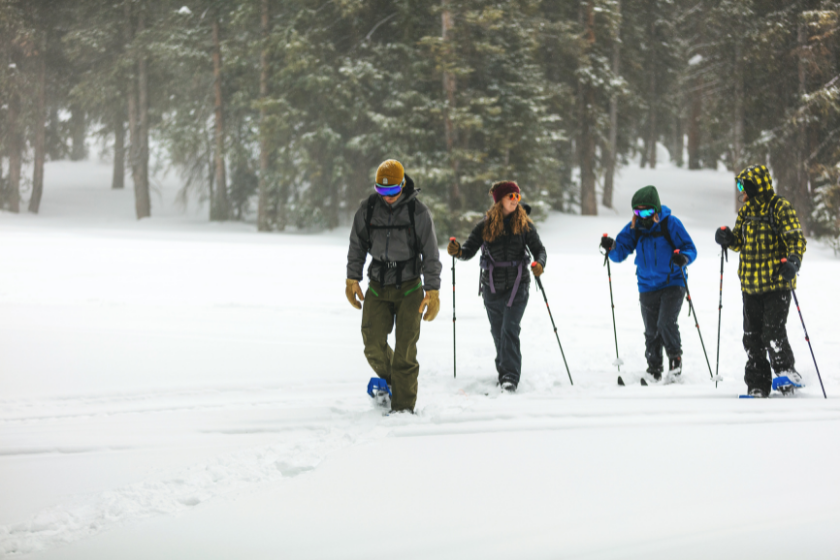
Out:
{"x": 277, "y": 112}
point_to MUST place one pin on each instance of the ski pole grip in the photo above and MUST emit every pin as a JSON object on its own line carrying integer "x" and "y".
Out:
{"x": 533, "y": 264}
{"x": 676, "y": 251}
{"x": 451, "y": 239}
{"x": 605, "y": 235}
{"x": 784, "y": 260}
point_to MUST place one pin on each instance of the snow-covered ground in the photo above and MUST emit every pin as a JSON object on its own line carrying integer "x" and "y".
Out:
{"x": 178, "y": 389}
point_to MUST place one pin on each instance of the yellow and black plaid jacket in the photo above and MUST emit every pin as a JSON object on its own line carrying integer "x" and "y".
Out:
{"x": 762, "y": 246}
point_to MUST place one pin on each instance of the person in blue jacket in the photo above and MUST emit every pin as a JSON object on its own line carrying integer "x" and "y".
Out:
{"x": 655, "y": 235}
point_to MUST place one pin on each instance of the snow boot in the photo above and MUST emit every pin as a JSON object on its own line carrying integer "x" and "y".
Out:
{"x": 757, "y": 393}
{"x": 655, "y": 371}
{"x": 508, "y": 386}
{"x": 675, "y": 366}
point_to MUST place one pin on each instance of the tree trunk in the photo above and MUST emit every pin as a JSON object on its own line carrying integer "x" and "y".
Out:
{"x": 15, "y": 144}
{"x": 738, "y": 128}
{"x": 262, "y": 205}
{"x": 679, "y": 140}
{"x": 588, "y": 198}
{"x": 142, "y": 196}
{"x": 219, "y": 203}
{"x": 40, "y": 133}
{"x": 694, "y": 128}
{"x": 652, "y": 97}
{"x": 607, "y": 198}
{"x": 803, "y": 196}
{"x": 448, "y": 123}
{"x": 78, "y": 151}
{"x": 118, "y": 180}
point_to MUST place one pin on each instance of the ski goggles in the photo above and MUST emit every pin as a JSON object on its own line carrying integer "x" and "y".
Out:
{"x": 644, "y": 212}
{"x": 740, "y": 185}
{"x": 389, "y": 190}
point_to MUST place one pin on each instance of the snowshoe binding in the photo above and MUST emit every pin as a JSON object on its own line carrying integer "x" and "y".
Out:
{"x": 380, "y": 392}
{"x": 788, "y": 383}
{"x": 755, "y": 393}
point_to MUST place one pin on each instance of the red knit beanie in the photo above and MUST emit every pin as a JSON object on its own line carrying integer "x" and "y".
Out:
{"x": 504, "y": 188}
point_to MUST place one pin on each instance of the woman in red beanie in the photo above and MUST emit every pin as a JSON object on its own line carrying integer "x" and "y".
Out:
{"x": 505, "y": 236}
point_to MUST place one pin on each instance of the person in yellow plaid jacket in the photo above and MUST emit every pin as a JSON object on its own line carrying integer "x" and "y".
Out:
{"x": 766, "y": 231}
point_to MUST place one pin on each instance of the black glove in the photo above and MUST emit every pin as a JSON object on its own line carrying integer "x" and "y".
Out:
{"x": 790, "y": 267}
{"x": 679, "y": 259}
{"x": 608, "y": 243}
{"x": 724, "y": 236}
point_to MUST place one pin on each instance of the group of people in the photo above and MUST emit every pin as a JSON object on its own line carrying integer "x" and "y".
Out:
{"x": 397, "y": 231}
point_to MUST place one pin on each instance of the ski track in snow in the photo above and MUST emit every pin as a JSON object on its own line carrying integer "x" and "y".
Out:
{"x": 460, "y": 407}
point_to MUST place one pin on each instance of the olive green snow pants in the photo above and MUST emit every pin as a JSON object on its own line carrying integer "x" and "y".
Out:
{"x": 383, "y": 307}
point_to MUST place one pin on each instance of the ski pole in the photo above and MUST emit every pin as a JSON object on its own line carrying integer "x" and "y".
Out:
{"x": 807, "y": 338}
{"x": 723, "y": 253}
{"x": 454, "y": 361}
{"x": 696, "y": 322}
{"x": 539, "y": 283}
{"x": 618, "y": 361}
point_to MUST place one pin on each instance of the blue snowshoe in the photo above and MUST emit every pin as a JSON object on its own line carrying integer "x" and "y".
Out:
{"x": 787, "y": 384}
{"x": 379, "y": 391}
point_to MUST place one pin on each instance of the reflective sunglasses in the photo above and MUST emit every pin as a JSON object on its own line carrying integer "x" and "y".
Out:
{"x": 644, "y": 212}
{"x": 388, "y": 190}
{"x": 740, "y": 185}
{"x": 514, "y": 196}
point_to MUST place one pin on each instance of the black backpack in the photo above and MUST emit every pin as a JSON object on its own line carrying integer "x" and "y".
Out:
{"x": 768, "y": 219}
{"x": 398, "y": 265}
{"x": 663, "y": 232}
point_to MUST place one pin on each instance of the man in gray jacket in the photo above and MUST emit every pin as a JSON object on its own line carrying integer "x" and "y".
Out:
{"x": 397, "y": 230}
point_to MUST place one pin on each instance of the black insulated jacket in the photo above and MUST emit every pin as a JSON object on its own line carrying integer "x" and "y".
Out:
{"x": 505, "y": 248}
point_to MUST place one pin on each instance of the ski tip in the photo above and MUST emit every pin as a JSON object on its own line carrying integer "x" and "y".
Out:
{"x": 746, "y": 397}
{"x": 644, "y": 383}
{"x": 620, "y": 381}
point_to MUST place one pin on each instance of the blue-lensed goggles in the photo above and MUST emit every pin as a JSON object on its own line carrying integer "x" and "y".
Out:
{"x": 389, "y": 190}
{"x": 740, "y": 185}
{"x": 644, "y": 212}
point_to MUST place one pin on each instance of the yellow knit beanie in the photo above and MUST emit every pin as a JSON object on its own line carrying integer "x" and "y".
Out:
{"x": 390, "y": 173}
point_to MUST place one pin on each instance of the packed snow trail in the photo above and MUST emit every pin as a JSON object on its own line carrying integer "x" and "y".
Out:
{"x": 175, "y": 388}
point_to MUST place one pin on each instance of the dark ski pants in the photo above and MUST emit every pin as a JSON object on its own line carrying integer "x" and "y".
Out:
{"x": 765, "y": 319}
{"x": 660, "y": 310}
{"x": 384, "y": 307}
{"x": 504, "y": 325}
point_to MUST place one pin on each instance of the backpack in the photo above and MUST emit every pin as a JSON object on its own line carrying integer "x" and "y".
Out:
{"x": 488, "y": 263}
{"x": 769, "y": 219}
{"x": 398, "y": 265}
{"x": 663, "y": 232}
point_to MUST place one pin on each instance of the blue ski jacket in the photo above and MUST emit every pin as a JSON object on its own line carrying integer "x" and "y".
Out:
{"x": 653, "y": 258}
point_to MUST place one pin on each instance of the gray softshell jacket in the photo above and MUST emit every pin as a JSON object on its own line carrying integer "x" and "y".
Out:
{"x": 395, "y": 245}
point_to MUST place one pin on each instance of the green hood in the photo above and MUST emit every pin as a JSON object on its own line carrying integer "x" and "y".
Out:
{"x": 647, "y": 196}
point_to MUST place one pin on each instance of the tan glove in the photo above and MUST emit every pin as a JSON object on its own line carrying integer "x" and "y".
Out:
{"x": 454, "y": 248}
{"x": 537, "y": 269}
{"x": 352, "y": 290}
{"x": 431, "y": 303}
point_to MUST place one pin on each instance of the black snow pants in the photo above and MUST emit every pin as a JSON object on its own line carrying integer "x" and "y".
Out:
{"x": 660, "y": 310}
{"x": 765, "y": 317}
{"x": 504, "y": 325}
